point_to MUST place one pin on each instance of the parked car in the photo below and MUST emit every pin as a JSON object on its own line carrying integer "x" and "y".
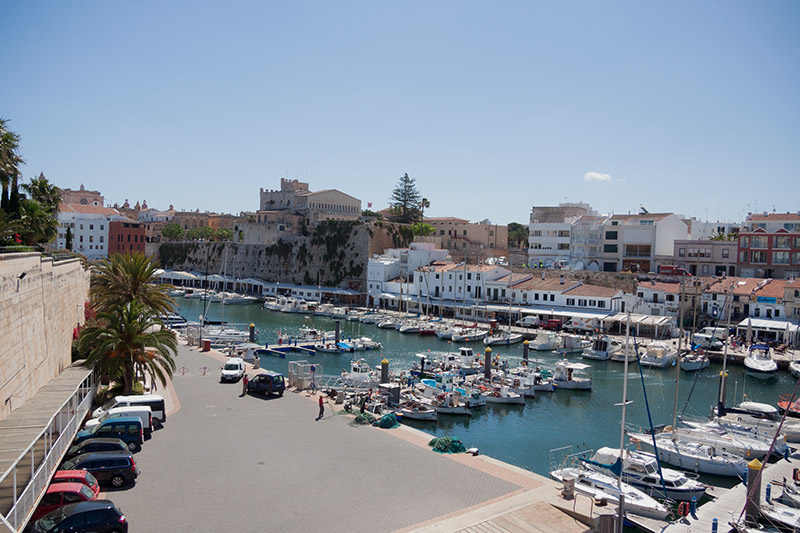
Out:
{"x": 99, "y": 444}
{"x": 95, "y": 516}
{"x": 267, "y": 383}
{"x": 61, "y": 494}
{"x": 720, "y": 333}
{"x": 126, "y": 428}
{"x": 114, "y": 468}
{"x": 142, "y": 412}
{"x": 233, "y": 370}
{"x": 529, "y": 322}
{"x": 77, "y": 476}
{"x": 708, "y": 342}
{"x": 554, "y": 324}
{"x": 154, "y": 401}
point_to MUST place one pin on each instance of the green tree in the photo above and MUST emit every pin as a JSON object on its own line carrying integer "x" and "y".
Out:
{"x": 126, "y": 339}
{"x": 205, "y": 233}
{"x": 44, "y": 192}
{"x": 172, "y": 231}
{"x": 423, "y": 229}
{"x": 68, "y": 239}
{"x": 37, "y": 224}
{"x": 405, "y": 201}
{"x": 370, "y": 213}
{"x": 223, "y": 234}
{"x": 9, "y": 161}
{"x": 518, "y": 235}
{"x": 122, "y": 278}
{"x": 8, "y": 228}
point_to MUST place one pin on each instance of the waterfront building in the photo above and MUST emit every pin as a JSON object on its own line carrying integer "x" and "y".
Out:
{"x": 769, "y": 246}
{"x": 125, "y": 236}
{"x": 586, "y": 243}
{"x": 473, "y": 240}
{"x": 715, "y": 296}
{"x": 703, "y": 257}
{"x": 89, "y": 226}
{"x": 632, "y": 242}
{"x": 658, "y": 298}
{"x": 267, "y": 227}
{"x": 549, "y": 233}
{"x": 766, "y": 301}
{"x": 398, "y": 267}
{"x": 791, "y": 300}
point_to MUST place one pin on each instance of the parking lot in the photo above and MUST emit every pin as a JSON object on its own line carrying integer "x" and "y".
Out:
{"x": 226, "y": 463}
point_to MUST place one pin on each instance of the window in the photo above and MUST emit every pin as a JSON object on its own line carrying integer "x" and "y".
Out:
{"x": 726, "y": 253}
{"x": 646, "y": 222}
{"x": 759, "y": 241}
{"x": 640, "y": 294}
{"x": 536, "y": 296}
{"x": 783, "y": 242}
{"x": 582, "y": 303}
{"x": 552, "y": 297}
{"x": 81, "y": 226}
{"x": 465, "y": 232}
{"x": 570, "y": 301}
{"x": 743, "y": 256}
{"x": 611, "y": 235}
{"x": 796, "y": 258}
{"x": 681, "y": 252}
{"x": 538, "y": 233}
{"x": 601, "y": 303}
{"x": 796, "y": 242}
{"x": 758, "y": 257}
{"x": 780, "y": 258}
{"x": 563, "y": 246}
{"x": 610, "y": 248}
{"x": 637, "y": 250}
{"x": 670, "y": 297}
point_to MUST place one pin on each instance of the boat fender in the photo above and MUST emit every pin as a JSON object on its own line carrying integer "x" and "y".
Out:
{"x": 473, "y": 451}
{"x": 683, "y": 509}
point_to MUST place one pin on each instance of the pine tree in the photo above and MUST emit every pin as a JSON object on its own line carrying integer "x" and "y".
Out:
{"x": 68, "y": 239}
{"x": 405, "y": 201}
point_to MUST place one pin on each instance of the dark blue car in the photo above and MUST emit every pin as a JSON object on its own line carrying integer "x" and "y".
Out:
{"x": 126, "y": 428}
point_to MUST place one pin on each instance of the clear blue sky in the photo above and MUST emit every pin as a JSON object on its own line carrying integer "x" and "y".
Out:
{"x": 690, "y": 107}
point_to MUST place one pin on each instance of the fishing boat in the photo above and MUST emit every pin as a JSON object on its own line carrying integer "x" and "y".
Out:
{"x": 642, "y": 470}
{"x": 448, "y": 403}
{"x": 502, "y": 394}
{"x": 759, "y": 364}
{"x": 571, "y": 376}
{"x": 569, "y": 344}
{"x": 786, "y": 405}
{"x": 412, "y": 409}
{"x": 469, "y": 335}
{"x": 544, "y": 342}
{"x": 658, "y": 355}
{"x": 694, "y": 361}
{"x": 503, "y": 337}
{"x": 602, "y": 348}
{"x": 688, "y": 455}
{"x": 534, "y": 378}
{"x": 601, "y": 487}
{"x": 360, "y": 373}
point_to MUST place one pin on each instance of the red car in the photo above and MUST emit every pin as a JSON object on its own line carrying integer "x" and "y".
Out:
{"x": 552, "y": 324}
{"x": 77, "y": 476}
{"x": 60, "y": 494}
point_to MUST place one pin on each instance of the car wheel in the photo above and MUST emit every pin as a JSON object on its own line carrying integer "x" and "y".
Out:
{"x": 132, "y": 446}
{"x": 117, "y": 481}
{"x": 280, "y": 393}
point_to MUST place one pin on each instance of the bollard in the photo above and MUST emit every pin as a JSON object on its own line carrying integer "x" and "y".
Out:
{"x": 714, "y": 525}
{"x": 252, "y": 332}
{"x": 769, "y": 492}
{"x": 336, "y": 325}
{"x": 384, "y": 371}
{"x": 525, "y": 350}
{"x": 487, "y": 364}
{"x": 753, "y": 505}
{"x": 693, "y": 506}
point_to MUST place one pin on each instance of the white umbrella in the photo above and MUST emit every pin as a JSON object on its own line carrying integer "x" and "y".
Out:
{"x": 749, "y": 331}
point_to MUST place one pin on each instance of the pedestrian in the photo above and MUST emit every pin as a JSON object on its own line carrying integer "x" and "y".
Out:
{"x": 321, "y": 407}
{"x": 244, "y": 385}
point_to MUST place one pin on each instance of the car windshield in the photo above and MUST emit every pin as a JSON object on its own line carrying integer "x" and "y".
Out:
{"x": 231, "y": 366}
{"x": 53, "y": 518}
{"x": 69, "y": 465}
{"x": 92, "y": 430}
{"x": 87, "y": 492}
{"x": 90, "y": 479}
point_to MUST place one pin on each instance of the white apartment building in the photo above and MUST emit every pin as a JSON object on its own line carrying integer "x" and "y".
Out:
{"x": 384, "y": 272}
{"x": 632, "y": 242}
{"x": 549, "y": 233}
{"x": 89, "y": 226}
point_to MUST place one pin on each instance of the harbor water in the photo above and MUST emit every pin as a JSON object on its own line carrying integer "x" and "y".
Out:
{"x": 520, "y": 435}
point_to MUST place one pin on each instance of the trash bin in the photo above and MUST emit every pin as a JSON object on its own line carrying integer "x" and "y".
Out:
{"x": 206, "y": 345}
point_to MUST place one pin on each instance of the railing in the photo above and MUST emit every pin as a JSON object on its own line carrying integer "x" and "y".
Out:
{"x": 56, "y": 438}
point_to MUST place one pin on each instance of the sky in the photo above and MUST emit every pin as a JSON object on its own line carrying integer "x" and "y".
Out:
{"x": 492, "y": 107}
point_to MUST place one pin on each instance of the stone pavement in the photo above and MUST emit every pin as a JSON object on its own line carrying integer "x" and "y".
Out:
{"x": 224, "y": 462}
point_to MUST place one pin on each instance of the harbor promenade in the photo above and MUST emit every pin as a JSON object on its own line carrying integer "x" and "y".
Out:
{"x": 224, "y": 462}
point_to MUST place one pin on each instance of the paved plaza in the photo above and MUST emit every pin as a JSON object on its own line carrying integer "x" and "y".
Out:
{"x": 226, "y": 463}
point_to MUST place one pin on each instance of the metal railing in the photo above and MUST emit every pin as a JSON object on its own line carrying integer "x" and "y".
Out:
{"x": 39, "y": 460}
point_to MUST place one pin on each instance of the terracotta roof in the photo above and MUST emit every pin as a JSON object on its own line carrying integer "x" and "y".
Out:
{"x": 774, "y": 216}
{"x": 741, "y": 286}
{"x": 772, "y": 289}
{"x": 660, "y": 286}
{"x": 440, "y": 267}
{"x": 795, "y": 284}
{"x": 548, "y": 284}
{"x": 592, "y": 290}
{"x": 445, "y": 219}
{"x": 512, "y": 279}
{"x": 88, "y": 209}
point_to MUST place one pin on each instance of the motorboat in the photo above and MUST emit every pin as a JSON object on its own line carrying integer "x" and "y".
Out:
{"x": 469, "y": 335}
{"x": 306, "y": 334}
{"x": 631, "y": 353}
{"x": 602, "y": 348}
{"x": 445, "y": 332}
{"x": 602, "y": 487}
{"x": 571, "y": 376}
{"x": 544, "y": 342}
{"x": 175, "y": 293}
{"x": 338, "y": 313}
{"x": 432, "y": 387}
{"x": 409, "y": 326}
{"x": 388, "y": 323}
{"x": 641, "y": 469}
{"x": 691, "y": 455}
{"x": 760, "y": 418}
{"x": 502, "y": 394}
{"x": 759, "y": 364}
{"x": 448, "y": 403}
{"x": 360, "y": 373}
{"x": 468, "y": 363}
{"x": 786, "y": 405}
{"x": 323, "y": 309}
{"x": 659, "y": 355}
{"x": 355, "y": 316}
{"x": 794, "y": 368}
{"x": 232, "y": 298}
{"x": 426, "y": 328}
{"x": 223, "y": 335}
{"x": 503, "y": 337}
{"x": 533, "y": 377}
{"x": 273, "y": 304}
{"x": 569, "y": 344}
{"x": 172, "y": 320}
{"x": 197, "y": 294}
{"x": 694, "y": 361}
{"x": 412, "y": 409}
{"x": 369, "y": 318}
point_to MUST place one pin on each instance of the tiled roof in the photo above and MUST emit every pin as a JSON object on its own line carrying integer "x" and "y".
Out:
{"x": 795, "y": 284}
{"x": 772, "y": 289}
{"x": 775, "y": 216}
{"x": 512, "y": 279}
{"x": 547, "y": 284}
{"x": 741, "y": 286}
{"x": 445, "y": 219}
{"x": 440, "y": 267}
{"x": 88, "y": 209}
{"x": 660, "y": 286}
{"x": 592, "y": 290}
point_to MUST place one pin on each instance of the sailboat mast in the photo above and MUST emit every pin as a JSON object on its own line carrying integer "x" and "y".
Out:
{"x": 678, "y": 366}
{"x": 622, "y": 421}
{"x": 729, "y": 303}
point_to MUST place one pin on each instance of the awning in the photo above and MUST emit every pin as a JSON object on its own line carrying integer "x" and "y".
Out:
{"x": 768, "y": 325}
{"x": 176, "y": 274}
{"x": 565, "y": 312}
{"x": 644, "y": 320}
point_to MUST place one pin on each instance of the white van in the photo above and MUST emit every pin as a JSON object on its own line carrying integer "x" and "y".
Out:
{"x": 154, "y": 401}
{"x": 720, "y": 333}
{"x": 709, "y": 342}
{"x": 142, "y": 412}
{"x": 233, "y": 370}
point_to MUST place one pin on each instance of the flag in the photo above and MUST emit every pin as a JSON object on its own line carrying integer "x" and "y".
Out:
{"x": 369, "y": 204}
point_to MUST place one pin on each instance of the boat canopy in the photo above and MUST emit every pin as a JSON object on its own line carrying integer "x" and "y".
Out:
{"x": 578, "y": 366}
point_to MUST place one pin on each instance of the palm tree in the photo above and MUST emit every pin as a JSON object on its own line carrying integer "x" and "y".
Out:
{"x": 9, "y": 159}
{"x": 423, "y": 205}
{"x": 37, "y": 224}
{"x": 129, "y": 338}
{"x": 123, "y": 278}
{"x": 44, "y": 192}
{"x": 8, "y": 228}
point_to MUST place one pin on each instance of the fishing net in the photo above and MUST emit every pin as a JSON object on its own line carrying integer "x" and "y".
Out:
{"x": 363, "y": 419}
{"x": 387, "y": 422}
{"x": 447, "y": 445}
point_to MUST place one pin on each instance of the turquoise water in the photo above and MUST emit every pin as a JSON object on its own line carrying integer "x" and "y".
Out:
{"x": 520, "y": 435}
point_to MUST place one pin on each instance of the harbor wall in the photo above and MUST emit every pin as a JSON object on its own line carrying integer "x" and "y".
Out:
{"x": 41, "y": 302}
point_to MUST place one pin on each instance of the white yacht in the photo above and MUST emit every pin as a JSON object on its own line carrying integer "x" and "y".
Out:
{"x": 691, "y": 455}
{"x": 569, "y": 344}
{"x": 693, "y": 361}
{"x": 469, "y": 335}
{"x": 571, "y": 376}
{"x": 544, "y": 342}
{"x": 659, "y": 355}
{"x": 761, "y": 417}
{"x": 759, "y": 364}
{"x": 602, "y": 348}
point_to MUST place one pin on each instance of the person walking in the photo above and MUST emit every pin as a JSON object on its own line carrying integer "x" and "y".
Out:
{"x": 244, "y": 385}
{"x": 321, "y": 408}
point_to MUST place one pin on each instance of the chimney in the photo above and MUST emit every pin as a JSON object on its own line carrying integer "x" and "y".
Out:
{"x": 561, "y": 279}
{"x": 542, "y": 275}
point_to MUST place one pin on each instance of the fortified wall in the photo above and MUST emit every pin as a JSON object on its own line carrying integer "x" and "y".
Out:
{"x": 41, "y": 302}
{"x": 334, "y": 254}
